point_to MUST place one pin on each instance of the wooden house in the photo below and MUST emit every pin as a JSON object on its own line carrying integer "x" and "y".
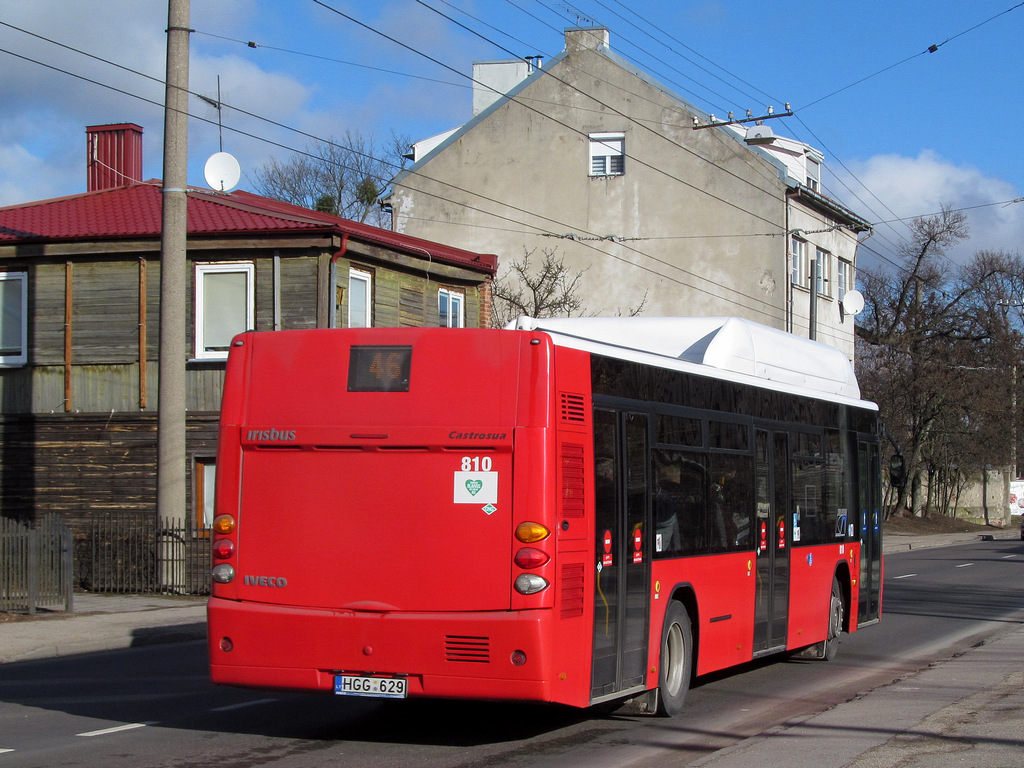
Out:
{"x": 79, "y": 314}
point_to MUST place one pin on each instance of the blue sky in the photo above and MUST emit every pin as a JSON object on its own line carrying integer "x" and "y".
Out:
{"x": 922, "y": 130}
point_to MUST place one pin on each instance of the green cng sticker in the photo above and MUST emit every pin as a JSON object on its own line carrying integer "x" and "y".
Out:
{"x": 475, "y": 488}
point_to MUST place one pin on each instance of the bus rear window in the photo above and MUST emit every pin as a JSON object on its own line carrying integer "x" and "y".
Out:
{"x": 379, "y": 368}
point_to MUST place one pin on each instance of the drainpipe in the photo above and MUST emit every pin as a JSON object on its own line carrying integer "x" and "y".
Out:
{"x": 332, "y": 288}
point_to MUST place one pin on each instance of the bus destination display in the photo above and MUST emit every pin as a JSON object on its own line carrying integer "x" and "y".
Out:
{"x": 379, "y": 368}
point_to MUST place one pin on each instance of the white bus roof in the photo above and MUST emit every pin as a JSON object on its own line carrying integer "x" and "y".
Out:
{"x": 738, "y": 350}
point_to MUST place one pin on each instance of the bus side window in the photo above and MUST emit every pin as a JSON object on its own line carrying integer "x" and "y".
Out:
{"x": 680, "y": 503}
{"x": 732, "y": 507}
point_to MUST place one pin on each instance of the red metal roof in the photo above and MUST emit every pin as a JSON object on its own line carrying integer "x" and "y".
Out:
{"x": 133, "y": 212}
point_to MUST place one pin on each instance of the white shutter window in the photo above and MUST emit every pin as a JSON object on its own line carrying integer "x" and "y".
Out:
{"x": 607, "y": 154}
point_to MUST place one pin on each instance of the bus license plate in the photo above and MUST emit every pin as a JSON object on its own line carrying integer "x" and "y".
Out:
{"x": 376, "y": 687}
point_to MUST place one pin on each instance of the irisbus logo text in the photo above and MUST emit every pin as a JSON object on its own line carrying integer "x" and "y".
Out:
{"x": 262, "y": 435}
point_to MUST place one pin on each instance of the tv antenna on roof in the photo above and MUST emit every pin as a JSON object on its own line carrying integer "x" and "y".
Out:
{"x": 216, "y": 105}
{"x": 222, "y": 171}
{"x": 581, "y": 17}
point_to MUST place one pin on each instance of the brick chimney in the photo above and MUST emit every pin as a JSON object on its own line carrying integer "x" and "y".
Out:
{"x": 113, "y": 156}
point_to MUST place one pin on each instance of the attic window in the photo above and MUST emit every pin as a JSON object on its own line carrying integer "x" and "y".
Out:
{"x": 607, "y": 154}
{"x": 813, "y": 174}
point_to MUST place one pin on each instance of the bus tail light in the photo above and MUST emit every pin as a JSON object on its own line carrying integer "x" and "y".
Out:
{"x": 223, "y": 524}
{"x": 223, "y": 549}
{"x": 223, "y": 573}
{"x": 530, "y": 584}
{"x": 528, "y": 557}
{"x": 528, "y": 533}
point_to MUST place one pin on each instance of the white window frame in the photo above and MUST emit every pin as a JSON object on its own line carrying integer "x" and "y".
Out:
{"x": 823, "y": 277}
{"x": 364, "y": 281}
{"x": 246, "y": 268}
{"x": 813, "y": 174}
{"x": 21, "y": 356}
{"x": 844, "y": 279}
{"x": 798, "y": 262}
{"x": 204, "y": 482}
{"x": 607, "y": 154}
{"x": 454, "y": 299}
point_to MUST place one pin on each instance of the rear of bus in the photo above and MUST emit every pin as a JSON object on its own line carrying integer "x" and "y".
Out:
{"x": 386, "y": 516}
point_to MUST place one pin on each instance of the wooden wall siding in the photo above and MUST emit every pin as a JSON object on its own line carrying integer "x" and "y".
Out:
{"x": 74, "y": 464}
{"x": 386, "y": 292}
{"x": 298, "y": 293}
{"x": 104, "y": 388}
{"x": 46, "y": 319}
{"x": 16, "y": 390}
{"x": 264, "y": 310}
{"x": 204, "y": 387}
{"x": 153, "y": 311}
{"x": 410, "y": 306}
{"x": 105, "y": 313}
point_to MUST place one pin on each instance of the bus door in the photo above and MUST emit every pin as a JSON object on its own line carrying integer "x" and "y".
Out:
{"x": 869, "y": 605}
{"x": 772, "y": 530}
{"x": 621, "y": 572}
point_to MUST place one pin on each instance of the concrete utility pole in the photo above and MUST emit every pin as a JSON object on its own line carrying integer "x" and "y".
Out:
{"x": 170, "y": 502}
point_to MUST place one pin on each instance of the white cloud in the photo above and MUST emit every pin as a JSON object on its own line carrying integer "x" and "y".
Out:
{"x": 915, "y": 186}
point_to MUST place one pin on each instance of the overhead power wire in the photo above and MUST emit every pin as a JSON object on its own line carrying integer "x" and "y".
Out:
{"x": 252, "y": 44}
{"x": 542, "y": 114}
{"x": 930, "y": 49}
{"x": 561, "y": 225}
{"x": 697, "y": 53}
{"x": 699, "y": 66}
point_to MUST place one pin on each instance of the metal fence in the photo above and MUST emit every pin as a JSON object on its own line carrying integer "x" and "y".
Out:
{"x": 129, "y": 553}
{"x": 36, "y": 565}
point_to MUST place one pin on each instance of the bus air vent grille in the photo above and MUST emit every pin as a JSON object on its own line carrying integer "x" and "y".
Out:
{"x": 572, "y": 480}
{"x": 572, "y": 590}
{"x": 467, "y": 649}
{"x": 572, "y": 408}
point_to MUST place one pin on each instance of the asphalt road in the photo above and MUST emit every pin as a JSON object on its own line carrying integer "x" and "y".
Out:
{"x": 155, "y": 707}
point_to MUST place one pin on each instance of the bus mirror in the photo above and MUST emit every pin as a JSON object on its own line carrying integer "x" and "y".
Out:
{"x": 897, "y": 471}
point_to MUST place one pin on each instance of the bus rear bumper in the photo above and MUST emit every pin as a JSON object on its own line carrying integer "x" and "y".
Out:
{"x": 483, "y": 655}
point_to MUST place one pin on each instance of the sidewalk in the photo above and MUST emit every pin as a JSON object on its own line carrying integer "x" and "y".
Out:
{"x": 964, "y": 711}
{"x": 104, "y": 623}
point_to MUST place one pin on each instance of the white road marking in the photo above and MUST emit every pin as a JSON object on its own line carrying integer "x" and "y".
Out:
{"x": 965, "y": 565}
{"x": 115, "y": 729}
{"x": 905, "y": 576}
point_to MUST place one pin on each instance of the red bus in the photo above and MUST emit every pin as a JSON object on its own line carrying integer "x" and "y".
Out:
{"x": 574, "y": 511}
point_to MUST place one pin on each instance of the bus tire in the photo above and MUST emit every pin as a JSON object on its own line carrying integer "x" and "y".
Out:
{"x": 835, "y": 621}
{"x": 676, "y": 663}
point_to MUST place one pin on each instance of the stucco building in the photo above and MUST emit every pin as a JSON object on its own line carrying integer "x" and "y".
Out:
{"x": 595, "y": 160}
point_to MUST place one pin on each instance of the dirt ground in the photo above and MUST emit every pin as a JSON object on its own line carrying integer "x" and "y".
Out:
{"x": 934, "y": 524}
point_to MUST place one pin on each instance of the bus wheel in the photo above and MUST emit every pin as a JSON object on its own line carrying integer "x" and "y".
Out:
{"x": 835, "y": 621}
{"x": 676, "y": 660}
